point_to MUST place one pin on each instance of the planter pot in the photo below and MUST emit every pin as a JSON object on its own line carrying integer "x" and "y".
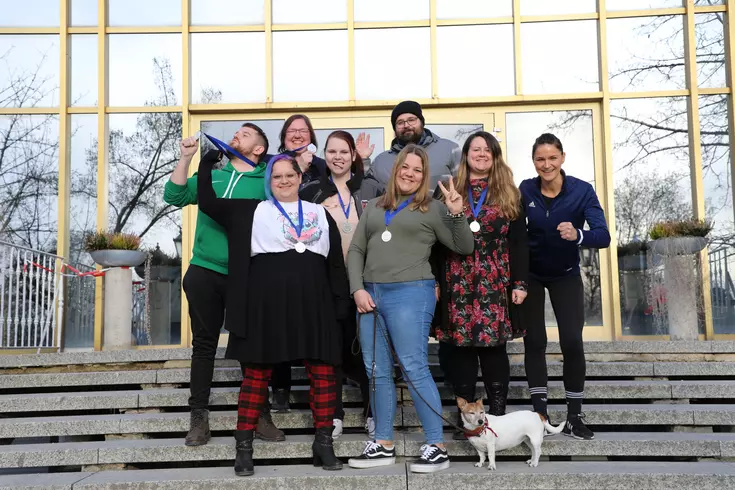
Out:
{"x": 166, "y": 273}
{"x": 685, "y": 245}
{"x": 118, "y": 258}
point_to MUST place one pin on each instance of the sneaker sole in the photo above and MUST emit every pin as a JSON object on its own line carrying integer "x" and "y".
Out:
{"x": 578, "y": 437}
{"x": 370, "y": 463}
{"x": 429, "y": 468}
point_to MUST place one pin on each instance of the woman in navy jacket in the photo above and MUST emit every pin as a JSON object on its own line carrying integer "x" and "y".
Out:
{"x": 557, "y": 206}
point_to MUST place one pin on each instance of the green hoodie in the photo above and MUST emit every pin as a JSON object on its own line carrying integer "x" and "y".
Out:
{"x": 210, "y": 239}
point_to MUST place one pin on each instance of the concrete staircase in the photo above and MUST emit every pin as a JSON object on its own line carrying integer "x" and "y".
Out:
{"x": 663, "y": 414}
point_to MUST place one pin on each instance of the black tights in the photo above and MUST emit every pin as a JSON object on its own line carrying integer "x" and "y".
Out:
{"x": 460, "y": 367}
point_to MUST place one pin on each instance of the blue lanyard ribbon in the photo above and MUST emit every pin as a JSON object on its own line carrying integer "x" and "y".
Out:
{"x": 476, "y": 207}
{"x": 229, "y": 151}
{"x": 389, "y": 215}
{"x": 297, "y": 229}
{"x": 345, "y": 210}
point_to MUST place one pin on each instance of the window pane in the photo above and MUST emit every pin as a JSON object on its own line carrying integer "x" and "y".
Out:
{"x": 226, "y": 12}
{"x": 210, "y": 86}
{"x": 651, "y": 175}
{"x": 84, "y": 13}
{"x": 545, "y": 7}
{"x": 83, "y": 58}
{"x": 646, "y": 53}
{"x": 574, "y": 128}
{"x": 390, "y": 10}
{"x": 642, "y": 4}
{"x": 79, "y": 327}
{"x": 375, "y": 80}
{"x": 144, "y": 12}
{"x": 468, "y": 9}
{"x": 145, "y": 69}
{"x": 488, "y": 79}
{"x": 573, "y": 65}
{"x": 296, "y": 80}
{"x": 375, "y": 135}
{"x": 38, "y": 13}
{"x": 717, "y": 176}
{"x": 29, "y": 177}
{"x": 29, "y": 72}
{"x": 710, "y": 50}
{"x": 300, "y": 12}
{"x": 224, "y": 130}
{"x": 454, "y": 132}
{"x": 143, "y": 151}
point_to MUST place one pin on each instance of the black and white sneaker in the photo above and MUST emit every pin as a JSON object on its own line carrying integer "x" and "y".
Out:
{"x": 432, "y": 459}
{"x": 374, "y": 455}
{"x": 575, "y": 428}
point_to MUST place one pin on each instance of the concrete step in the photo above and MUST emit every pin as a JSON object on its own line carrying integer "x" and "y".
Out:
{"x": 516, "y": 347}
{"x": 509, "y": 475}
{"x": 233, "y": 374}
{"x": 227, "y": 396}
{"x": 133, "y": 423}
{"x": 605, "y": 444}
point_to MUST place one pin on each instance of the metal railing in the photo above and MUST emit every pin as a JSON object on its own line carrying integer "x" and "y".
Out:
{"x": 723, "y": 290}
{"x": 80, "y": 307}
{"x": 31, "y": 293}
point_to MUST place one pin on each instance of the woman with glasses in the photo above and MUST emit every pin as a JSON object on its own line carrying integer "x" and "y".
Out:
{"x": 286, "y": 296}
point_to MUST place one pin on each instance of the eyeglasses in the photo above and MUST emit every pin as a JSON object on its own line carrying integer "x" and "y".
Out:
{"x": 303, "y": 131}
{"x": 408, "y": 122}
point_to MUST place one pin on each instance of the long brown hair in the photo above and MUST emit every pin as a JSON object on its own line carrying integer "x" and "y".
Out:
{"x": 357, "y": 167}
{"x": 392, "y": 196}
{"x": 502, "y": 191}
{"x": 287, "y": 124}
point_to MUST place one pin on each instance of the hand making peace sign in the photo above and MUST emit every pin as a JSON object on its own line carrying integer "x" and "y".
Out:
{"x": 453, "y": 199}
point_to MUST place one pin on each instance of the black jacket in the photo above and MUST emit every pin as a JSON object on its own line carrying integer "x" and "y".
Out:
{"x": 363, "y": 189}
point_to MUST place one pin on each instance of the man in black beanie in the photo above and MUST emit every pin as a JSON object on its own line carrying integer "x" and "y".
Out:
{"x": 408, "y": 123}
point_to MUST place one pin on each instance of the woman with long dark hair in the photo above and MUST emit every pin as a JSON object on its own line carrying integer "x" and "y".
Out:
{"x": 557, "y": 206}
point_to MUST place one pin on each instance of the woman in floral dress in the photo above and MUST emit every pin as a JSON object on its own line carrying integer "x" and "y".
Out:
{"x": 479, "y": 294}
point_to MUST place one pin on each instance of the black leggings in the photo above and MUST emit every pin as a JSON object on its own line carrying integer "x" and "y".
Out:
{"x": 567, "y": 299}
{"x": 460, "y": 367}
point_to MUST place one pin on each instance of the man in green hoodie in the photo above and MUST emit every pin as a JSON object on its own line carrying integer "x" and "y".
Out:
{"x": 205, "y": 281}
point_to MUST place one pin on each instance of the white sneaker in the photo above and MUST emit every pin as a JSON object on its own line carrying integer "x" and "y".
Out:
{"x": 338, "y": 424}
{"x": 370, "y": 428}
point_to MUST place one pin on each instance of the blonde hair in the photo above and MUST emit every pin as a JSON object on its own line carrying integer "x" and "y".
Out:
{"x": 422, "y": 197}
{"x": 502, "y": 191}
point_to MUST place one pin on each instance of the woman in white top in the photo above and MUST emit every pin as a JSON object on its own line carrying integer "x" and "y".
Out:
{"x": 287, "y": 293}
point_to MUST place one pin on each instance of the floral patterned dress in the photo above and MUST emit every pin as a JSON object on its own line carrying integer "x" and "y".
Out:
{"x": 477, "y": 287}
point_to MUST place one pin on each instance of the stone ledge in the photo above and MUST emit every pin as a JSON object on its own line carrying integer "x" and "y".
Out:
{"x": 516, "y": 347}
{"x": 43, "y": 481}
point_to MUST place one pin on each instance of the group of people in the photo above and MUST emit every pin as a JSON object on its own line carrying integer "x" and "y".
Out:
{"x": 316, "y": 261}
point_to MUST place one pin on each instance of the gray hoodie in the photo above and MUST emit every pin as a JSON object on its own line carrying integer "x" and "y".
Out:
{"x": 444, "y": 157}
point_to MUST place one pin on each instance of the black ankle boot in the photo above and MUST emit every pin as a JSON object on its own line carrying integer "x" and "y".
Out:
{"x": 497, "y": 394}
{"x": 198, "y": 428}
{"x": 323, "y": 450}
{"x": 244, "y": 459}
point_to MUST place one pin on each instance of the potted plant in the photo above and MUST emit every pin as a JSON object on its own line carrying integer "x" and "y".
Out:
{"x": 164, "y": 267}
{"x": 682, "y": 237}
{"x": 114, "y": 249}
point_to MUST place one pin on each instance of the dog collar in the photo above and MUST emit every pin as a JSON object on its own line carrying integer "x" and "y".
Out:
{"x": 479, "y": 430}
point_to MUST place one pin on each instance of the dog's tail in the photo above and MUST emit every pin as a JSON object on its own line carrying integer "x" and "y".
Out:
{"x": 550, "y": 428}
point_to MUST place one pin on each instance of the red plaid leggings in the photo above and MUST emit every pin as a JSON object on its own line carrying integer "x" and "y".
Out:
{"x": 254, "y": 390}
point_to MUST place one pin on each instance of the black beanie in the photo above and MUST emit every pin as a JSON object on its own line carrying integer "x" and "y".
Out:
{"x": 406, "y": 107}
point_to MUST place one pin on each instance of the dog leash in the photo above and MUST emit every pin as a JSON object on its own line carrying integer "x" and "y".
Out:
{"x": 376, "y": 321}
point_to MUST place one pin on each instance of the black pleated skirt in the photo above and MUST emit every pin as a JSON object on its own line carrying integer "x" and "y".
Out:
{"x": 290, "y": 312}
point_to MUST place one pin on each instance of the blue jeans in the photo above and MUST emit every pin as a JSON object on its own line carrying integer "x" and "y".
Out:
{"x": 405, "y": 311}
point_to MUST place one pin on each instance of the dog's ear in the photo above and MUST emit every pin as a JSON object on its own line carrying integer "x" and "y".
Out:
{"x": 479, "y": 403}
{"x": 461, "y": 403}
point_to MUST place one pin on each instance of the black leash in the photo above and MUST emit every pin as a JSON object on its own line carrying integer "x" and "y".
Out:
{"x": 376, "y": 321}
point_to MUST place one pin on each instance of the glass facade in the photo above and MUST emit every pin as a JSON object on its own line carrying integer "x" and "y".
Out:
{"x": 639, "y": 93}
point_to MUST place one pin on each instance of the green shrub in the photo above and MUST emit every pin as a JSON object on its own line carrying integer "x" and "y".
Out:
{"x": 103, "y": 240}
{"x": 683, "y": 228}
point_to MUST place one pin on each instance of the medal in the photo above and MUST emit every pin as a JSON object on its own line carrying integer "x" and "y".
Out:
{"x": 476, "y": 207}
{"x": 347, "y": 227}
{"x": 299, "y": 246}
{"x": 311, "y": 148}
{"x": 389, "y": 215}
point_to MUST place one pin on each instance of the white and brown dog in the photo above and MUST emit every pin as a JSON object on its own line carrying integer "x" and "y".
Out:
{"x": 488, "y": 433}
